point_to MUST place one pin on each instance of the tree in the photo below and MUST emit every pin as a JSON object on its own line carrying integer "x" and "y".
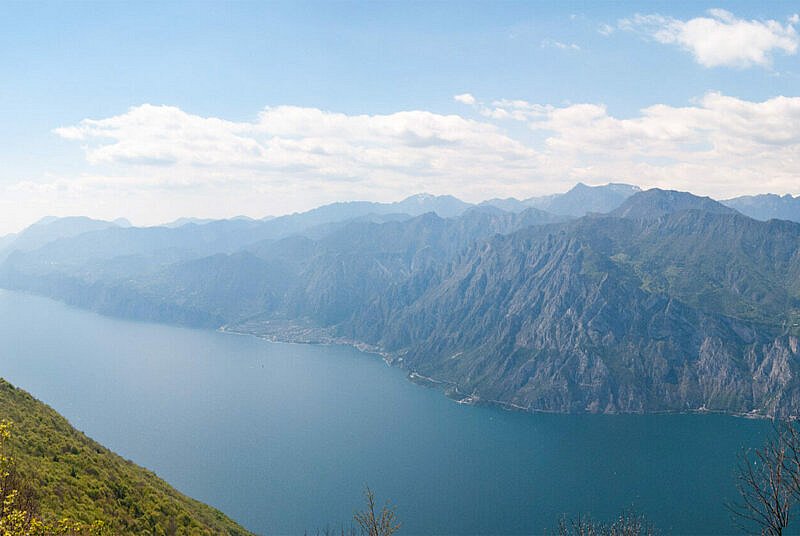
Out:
{"x": 372, "y": 523}
{"x": 629, "y": 523}
{"x": 768, "y": 482}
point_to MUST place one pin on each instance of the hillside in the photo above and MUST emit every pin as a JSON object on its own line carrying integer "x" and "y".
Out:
{"x": 73, "y": 476}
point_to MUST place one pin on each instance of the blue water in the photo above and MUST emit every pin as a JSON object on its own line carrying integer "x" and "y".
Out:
{"x": 283, "y": 437}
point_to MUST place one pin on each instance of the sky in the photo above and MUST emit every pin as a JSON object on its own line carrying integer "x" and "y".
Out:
{"x": 157, "y": 110}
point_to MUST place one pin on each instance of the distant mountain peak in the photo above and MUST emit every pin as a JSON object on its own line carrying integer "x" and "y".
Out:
{"x": 73, "y": 220}
{"x": 581, "y": 186}
{"x": 582, "y": 199}
{"x": 767, "y": 206}
{"x": 52, "y": 228}
{"x": 422, "y": 196}
{"x": 425, "y": 197}
{"x": 445, "y": 206}
{"x": 610, "y": 186}
{"x": 655, "y": 203}
{"x": 46, "y": 220}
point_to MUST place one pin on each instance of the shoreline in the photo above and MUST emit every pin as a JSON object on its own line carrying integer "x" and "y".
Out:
{"x": 450, "y": 389}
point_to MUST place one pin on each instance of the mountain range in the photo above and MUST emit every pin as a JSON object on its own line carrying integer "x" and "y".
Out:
{"x": 603, "y": 299}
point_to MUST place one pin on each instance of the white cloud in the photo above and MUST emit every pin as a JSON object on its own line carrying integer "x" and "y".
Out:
{"x": 465, "y": 98}
{"x": 287, "y": 150}
{"x": 720, "y": 39}
{"x": 550, "y": 43}
{"x": 722, "y": 146}
{"x": 296, "y": 141}
{"x": 606, "y": 29}
{"x": 154, "y": 163}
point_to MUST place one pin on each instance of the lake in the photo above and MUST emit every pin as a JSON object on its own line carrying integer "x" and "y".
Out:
{"x": 283, "y": 437}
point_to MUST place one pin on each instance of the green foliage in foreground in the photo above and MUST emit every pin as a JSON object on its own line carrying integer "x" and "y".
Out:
{"x": 72, "y": 477}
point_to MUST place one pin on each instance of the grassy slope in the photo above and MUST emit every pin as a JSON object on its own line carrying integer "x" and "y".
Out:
{"x": 73, "y": 476}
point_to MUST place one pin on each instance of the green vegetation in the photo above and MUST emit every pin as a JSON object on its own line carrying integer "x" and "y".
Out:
{"x": 54, "y": 472}
{"x": 18, "y": 513}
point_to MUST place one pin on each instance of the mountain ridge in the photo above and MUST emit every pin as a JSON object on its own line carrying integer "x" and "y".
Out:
{"x": 767, "y": 206}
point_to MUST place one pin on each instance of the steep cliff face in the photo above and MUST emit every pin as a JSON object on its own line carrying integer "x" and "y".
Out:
{"x": 685, "y": 311}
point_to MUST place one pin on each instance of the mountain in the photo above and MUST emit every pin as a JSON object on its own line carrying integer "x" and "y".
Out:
{"x": 180, "y": 222}
{"x": 74, "y": 477}
{"x": 577, "y": 202}
{"x": 767, "y": 206}
{"x": 583, "y": 199}
{"x": 50, "y": 229}
{"x": 700, "y": 310}
{"x": 6, "y": 241}
{"x": 694, "y": 307}
{"x": 669, "y": 302}
{"x": 509, "y": 204}
{"x": 323, "y": 277}
{"x": 445, "y": 206}
{"x": 105, "y": 248}
{"x": 656, "y": 203}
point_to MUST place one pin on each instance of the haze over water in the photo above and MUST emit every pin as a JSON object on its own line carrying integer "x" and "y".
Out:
{"x": 283, "y": 437}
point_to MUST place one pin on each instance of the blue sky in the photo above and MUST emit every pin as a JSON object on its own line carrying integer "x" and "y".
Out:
{"x": 215, "y": 67}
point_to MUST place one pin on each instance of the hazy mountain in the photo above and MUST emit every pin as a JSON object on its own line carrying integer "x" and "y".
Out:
{"x": 669, "y": 302}
{"x": 583, "y": 199}
{"x": 577, "y": 202}
{"x": 50, "y": 229}
{"x": 509, "y": 204}
{"x": 102, "y": 249}
{"x": 6, "y": 241}
{"x": 158, "y": 280}
{"x": 324, "y": 229}
{"x": 657, "y": 203}
{"x": 180, "y": 222}
{"x": 445, "y": 206}
{"x": 767, "y": 206}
